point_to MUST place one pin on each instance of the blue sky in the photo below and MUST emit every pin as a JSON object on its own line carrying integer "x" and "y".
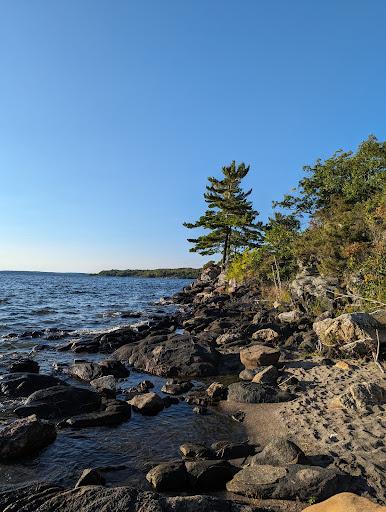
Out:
{"x": 113, "y": 114}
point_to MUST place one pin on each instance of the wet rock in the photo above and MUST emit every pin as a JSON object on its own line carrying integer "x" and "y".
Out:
{"x": 15, "y": 385}
{"x": 345, "y": 502}
{"x": 23, "y": 365}
{"x": 25, "y": 437}
{"x": 253, "y": 393}
{"x": 289, "y": 482}
{"x": 170, "y": 400}
{"x": 259, "y": 355}
{"x": 279, "y": 452}
{"x": 361, "y": 397}
{"x": 195, "y": 451}
{"x": 169, "y": 476}
{"x": 265, "y": 335}
{"x": 148, "y": 404}
{"x": 142, "y": 387}
{"x": 28, "y": 498}
{"x": 217, "y": 391}
{"x": 175, "y": 387}
{"x": 211, "y": 475}
{"x": 228, "y": 450}
{"x": 90, "y": 476}
{"x": 174, "y": 356}
{"x": 60, "y": 402}
{"x": 267, "y": 376}
{"x": 105, "y": 385}
{"x": 113, "y": 413}
{"x": 90, "y": 371}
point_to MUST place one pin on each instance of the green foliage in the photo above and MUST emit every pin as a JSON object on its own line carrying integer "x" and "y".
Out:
{"x": 230, "y": 218}
{"x": 180, "y": 273}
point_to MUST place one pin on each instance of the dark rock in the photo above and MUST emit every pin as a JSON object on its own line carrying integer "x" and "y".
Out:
{"x": 114, "y": 412}
{"x": 142, "y": 387}
{"x": 269, "y": 375}
{"x": 28, "y": 498}
{"x": 90, "y": 476}
{"x": 253, "y": 393}
{"x": 174, "y": 356}
{"x": 209, "y": 474}
{"x": 175, "y": 387}
{"x": 169, "y": 476}
{"x": 90, "y": 371}
{"x": 15, "y": 385}
{"x": 24, "y": 365}
{"x": 60, "y": 402}
{"x": 200, "y": 409}
{"x": 290, "y": 482}
{"x": 279, "y": 452}
{"x": 25, "y": 437}
{"x": 170, "y": 400}
{"x": 148, "y": 404}
{"x": 228, "y": 450}
{"x": 217, "y": 391}
{"x": 105, "y": 385}
{"x": 195, "y": 451}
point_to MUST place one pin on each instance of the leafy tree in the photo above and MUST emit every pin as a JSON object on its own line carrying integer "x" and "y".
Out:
{"x": 230, "y": 217}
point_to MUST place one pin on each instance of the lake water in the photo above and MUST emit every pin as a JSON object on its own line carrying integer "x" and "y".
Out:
{"x": 80, "y": 303}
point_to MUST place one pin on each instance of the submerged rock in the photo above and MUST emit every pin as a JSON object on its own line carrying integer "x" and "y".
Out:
{"x": 114, "y": 412}
{"x": 25, "y": 437}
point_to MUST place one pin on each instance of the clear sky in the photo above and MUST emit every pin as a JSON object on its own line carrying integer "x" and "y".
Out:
{"x": 113, "y": 114}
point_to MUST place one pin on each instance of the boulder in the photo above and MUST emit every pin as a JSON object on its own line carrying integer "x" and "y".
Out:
{"x": 348, "y": 333}
{"x": 195, "y": 451}
{"x": 106, "y": 385}
{"x": 360, "y": 397}
{"x": 90, "y": 476}
{"x": 175, "y": 387}
{"x": 227, "y": 338}
{"x": 289, "y": 317}
{"x": 247, "y": 374}
{"x": 16, "y": 385}
{"x": 25, "y": 437}
{"x": 267, "y": 376}
{"x": 60, "y": 402}
{"x": 148, "y": 404}
{"x": 90, "y": 371}
{"x": 289, "y": 482}
{"x": 168, "y": 476}
{"x": 23, "y": 365}
{"x": 259, "y": 355}
{"x": 142, "y": 387}
{"x": 176, "y": 356}
{"x": 346, "y": 502}
{"x": 253, "y": 393}
{"x": 114, "y": 412}
{"x": 279, "y": 452}
{"x": 210, "y": 475}
{"x": 228, "y": 450}
{"x": 265, "y": 335}
{"x": 217, "y": 391}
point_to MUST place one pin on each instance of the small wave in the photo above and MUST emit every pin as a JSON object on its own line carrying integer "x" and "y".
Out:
{"x": 4, "y": 301}
{"x": 44, "y": 311}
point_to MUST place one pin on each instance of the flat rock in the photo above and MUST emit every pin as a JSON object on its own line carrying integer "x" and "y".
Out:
{"x": 106, "y": 385}
{"x": 228, "y": 450}
{"x": 195, "y": 451}
{"x": 59, "y": 402}
{"x": 346, "y": 502}
{"x": 148, "y": 404}
{"x": 114, "y": 413}
{"x": 16, "y": 385}
{"x": 259, "y": 355}
{"x": 25, "y": 437}
{"x": 253, "y": 393}
{"x": 289, "y": 482}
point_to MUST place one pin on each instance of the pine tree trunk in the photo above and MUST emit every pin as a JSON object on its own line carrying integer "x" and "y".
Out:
{"x": 225, "y": 251}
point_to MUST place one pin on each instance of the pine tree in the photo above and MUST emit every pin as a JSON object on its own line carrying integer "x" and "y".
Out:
{"x": 230, "y": 218}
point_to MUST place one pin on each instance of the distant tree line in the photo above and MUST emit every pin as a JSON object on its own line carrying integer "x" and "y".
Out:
{"x": 180, "y": 273}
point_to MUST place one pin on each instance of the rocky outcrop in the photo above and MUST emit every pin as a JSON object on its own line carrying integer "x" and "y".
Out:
{"x": 16, "y": 385}
{"x": 259, "y": 355}
{"x": 171, "y": 356}
{"x": 25, "y": 437}
{"x": 59, "y": 402}
{"x": 289, "y": 482}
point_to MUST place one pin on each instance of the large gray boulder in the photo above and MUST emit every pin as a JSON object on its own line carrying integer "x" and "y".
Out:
{"x": 254, "y": 393}
{"x": 59, "y": 402}
{"x": 175, "y": 356}
{"x": 289, "y": 482}
{"x": 25, "y": 437}
{"x": 279, "y": 452}
{"x": 16, "y": 385}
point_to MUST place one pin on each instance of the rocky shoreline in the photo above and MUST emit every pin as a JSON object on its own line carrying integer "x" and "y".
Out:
{"x": 305, "y": 388}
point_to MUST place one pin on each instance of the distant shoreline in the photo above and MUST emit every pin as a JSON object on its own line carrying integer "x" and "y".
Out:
{"x": 180, "y": 273}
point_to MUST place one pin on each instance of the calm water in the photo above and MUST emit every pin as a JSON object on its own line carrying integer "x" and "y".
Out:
{"x": 78, "y": 303}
